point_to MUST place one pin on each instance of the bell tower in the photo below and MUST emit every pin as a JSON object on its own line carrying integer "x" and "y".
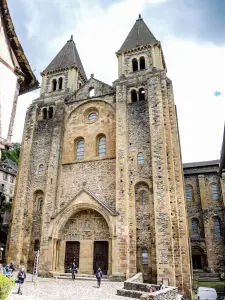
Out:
{"x": 65, "y": 73}
{"x": 152, "y": 228}
{"x": 140, "y": 51}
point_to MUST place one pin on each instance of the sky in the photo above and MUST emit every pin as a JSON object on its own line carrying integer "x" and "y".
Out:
{"x": 193, "y": 40}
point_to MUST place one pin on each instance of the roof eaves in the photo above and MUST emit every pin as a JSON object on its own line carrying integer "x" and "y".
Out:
{"x": 30, "y": 82}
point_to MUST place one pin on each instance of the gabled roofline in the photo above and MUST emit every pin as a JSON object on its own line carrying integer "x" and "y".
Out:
{"x": 30, "y": 82}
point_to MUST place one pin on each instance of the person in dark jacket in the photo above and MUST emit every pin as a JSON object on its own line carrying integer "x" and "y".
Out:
{"x": 73, "y": 270}
{"x": 12, "y": 267}
{"x": 21, "y": 277}
{"x": 99, "y": 277}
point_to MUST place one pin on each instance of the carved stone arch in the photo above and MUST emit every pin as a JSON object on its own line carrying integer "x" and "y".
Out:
{"x": 78, "y": 204}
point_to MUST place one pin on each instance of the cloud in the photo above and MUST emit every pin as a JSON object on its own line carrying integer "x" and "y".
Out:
{"x": 192, "y": 43}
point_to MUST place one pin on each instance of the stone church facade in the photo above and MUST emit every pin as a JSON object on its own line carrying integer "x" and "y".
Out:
{"x": 100, "y": 179}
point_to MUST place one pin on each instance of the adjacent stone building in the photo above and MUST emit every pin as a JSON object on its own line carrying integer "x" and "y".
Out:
{"x": 8, "y": 170}
{"x": 100, "y": 179}
{"x": 205, "y": 210}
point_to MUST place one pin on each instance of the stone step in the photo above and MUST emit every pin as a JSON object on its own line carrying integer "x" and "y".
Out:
{"x": 206, "y": 279}
{"x": 129, "y": 293}
{"x": 79, "y": 277}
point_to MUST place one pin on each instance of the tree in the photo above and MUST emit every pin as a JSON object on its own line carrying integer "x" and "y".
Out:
{"x": 13, "y": 153}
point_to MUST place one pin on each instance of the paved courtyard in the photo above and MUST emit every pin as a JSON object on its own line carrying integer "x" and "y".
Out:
{"x": 64, "y": 289}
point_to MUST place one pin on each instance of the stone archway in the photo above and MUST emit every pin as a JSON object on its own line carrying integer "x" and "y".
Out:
{"x": 78, "y": 239}
{"x": 199, "y": 260}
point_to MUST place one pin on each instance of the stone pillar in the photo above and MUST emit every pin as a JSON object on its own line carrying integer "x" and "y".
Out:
{"x": 171, "y": 149}
{"x": 182, "y": 225}
{"x": 110, "y": 258}
{"x": 86, "y": 257}
{"x": 163, "y": 230}
{"x": 121, "y": 253}
{"x": 13, "y": 112}
{"x": 208, "y": 235}
{"x": 62, "y": 253}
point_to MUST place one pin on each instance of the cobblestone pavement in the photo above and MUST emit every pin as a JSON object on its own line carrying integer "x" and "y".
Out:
{"x": 64, "y": 289}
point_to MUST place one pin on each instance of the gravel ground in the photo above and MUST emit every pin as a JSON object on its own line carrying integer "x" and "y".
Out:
{"x": 64, "y": 289}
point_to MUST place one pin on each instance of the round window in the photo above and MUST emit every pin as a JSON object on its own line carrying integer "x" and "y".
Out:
{"x": 92, "y": 116}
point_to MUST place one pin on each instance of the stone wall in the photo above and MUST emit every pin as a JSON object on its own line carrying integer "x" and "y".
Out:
{"x": 169, "y": 293}
{"x": 204, "y": 209}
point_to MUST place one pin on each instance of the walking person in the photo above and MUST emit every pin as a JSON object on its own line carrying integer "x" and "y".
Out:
{"x": 73, "y": 270}
{"x": 99, "y": 277}
{"x": 12, "y": 267}
{"x": 7, "y": 271}
{"x": 21, "y": 277}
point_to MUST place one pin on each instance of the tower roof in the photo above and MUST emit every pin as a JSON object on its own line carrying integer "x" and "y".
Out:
{"x": 68, "y": 56}
{"x": 140, "y": 35}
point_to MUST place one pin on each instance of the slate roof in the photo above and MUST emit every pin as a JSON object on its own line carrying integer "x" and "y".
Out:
{"x": 201, "y": 167}
{"x": 201, "y": 164}
{"x": 140, "y": 35}
{"x": 68, "y": 56}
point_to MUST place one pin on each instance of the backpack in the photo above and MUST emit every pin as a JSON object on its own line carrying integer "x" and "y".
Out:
{"x": 98, "y": 275}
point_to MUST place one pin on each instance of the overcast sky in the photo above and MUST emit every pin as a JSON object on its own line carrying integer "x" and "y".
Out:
{"x": 192, "y": 33}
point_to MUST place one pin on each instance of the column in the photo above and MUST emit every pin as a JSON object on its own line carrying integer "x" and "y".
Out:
{"x": 163, "y": 229}
{"x": 208, "y": 236}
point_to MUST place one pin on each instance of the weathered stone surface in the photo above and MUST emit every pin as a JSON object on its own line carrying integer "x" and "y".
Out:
{"x": 135, "y": 205}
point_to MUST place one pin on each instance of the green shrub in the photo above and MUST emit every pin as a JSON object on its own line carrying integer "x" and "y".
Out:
{"x": 5, "y": 286}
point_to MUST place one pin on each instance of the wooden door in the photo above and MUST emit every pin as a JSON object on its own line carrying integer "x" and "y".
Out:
{"x": 72, "y": 253}
{"x": 101, "y": 256}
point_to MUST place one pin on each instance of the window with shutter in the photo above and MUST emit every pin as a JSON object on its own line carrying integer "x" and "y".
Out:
{"x": 40, "y": 169}
{"x": 144, "y": 256}
{"x": 140, "y": 158}
{"x": 195, "y": 226}
{"x": 189, "y": 193}
{"x": 214, "y": 191}
{"x": 80, "y": 149}
{"x": 217, "y": 226}
{"x": 102, "y": 146}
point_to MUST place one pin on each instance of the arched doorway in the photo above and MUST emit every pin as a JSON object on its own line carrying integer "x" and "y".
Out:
{"x": 198, "y": 258}
{"x": 86, "y": 240}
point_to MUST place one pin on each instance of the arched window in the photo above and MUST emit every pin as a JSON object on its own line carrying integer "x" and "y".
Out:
{"x": 80, "y": 149}
{"x": 92, "y": 116}
{"x": 143, "y": 197}
{"x": 91, "y": 92}
{"x": 142, "y": 63}
{"x": 80, "y": 85}
{"x": 40, "y": 169}
{"x": 217, "y": 226}
{"x": 50, "y": 112}
{"x": 144, "y": 256}
{"x": 102, "y": 146}
{"x": 141, "y": 94}
{"x": 195, "y": 226}
{"x": 214, "y": 191}
{"x": 60, "y": 83}
{"x": 133, "y": 96}
{"x": 36, "y": 245}
{"x": 44, "y": 113}
{"x": 135, "y": 64}
{"x": 140, "y": 158}
{"x": 40, "y": 205}
{"x": 189, "y": 193}
{"x": 54, "y": 84}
